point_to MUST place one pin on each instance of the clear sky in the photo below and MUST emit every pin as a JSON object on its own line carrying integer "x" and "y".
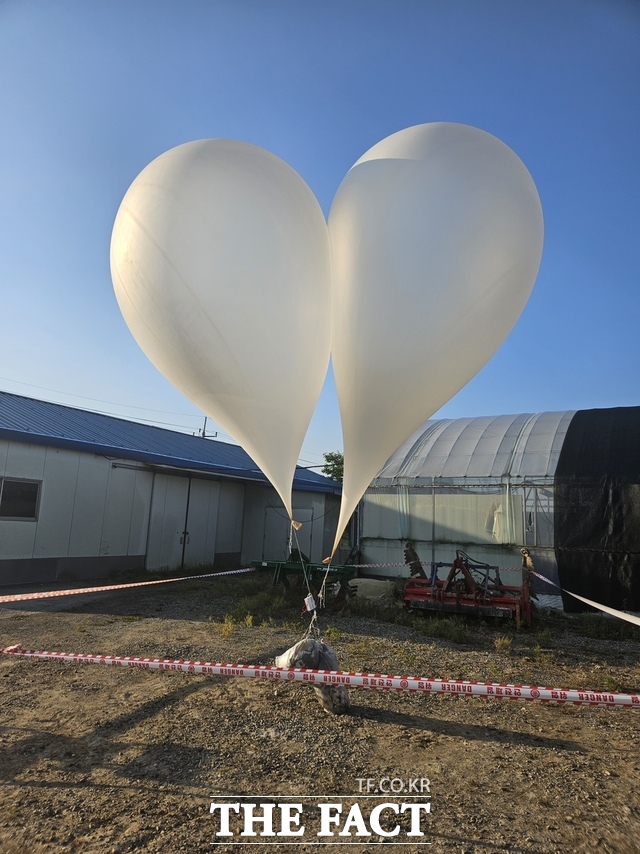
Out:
{"x": 91, "y": 92}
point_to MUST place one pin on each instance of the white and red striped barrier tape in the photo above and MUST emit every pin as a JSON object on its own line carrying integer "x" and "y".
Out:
{"x": 377, "y": 681}
{"x": 431, "y": 563}
{"x": 621, "y": 615}
{"x": 50, "y": 594}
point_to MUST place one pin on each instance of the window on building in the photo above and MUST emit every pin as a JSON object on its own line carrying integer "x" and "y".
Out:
{"x": 19, "y": 499}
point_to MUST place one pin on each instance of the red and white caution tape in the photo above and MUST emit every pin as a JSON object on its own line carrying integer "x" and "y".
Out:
{"x": 431, "y": 564}
{"x": 50, "y": 594}
{"x": 383, "y": 565}
{"x": 452, "y": 687}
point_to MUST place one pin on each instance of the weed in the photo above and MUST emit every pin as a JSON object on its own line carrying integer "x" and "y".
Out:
{"x": 290, "y": 626}
{"x": 611, "y": 683}
{"x": 227, "y": 627}
{"x": 248, "y": 621}
{"x": 332, "y": 634}
{"x": 542, "y": 656}
{"x": 502, "y": 643}
{"x": 607, "y": 682}
{"x": 410, "y": 660}
{"x": 492, "y": 670}
{"x": 544, "y": 637}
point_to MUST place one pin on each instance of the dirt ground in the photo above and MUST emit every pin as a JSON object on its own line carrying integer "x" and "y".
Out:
{"x": 104, "y": 759}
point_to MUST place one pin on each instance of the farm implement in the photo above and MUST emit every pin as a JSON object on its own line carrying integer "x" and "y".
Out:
{"x": 470, "y": 587}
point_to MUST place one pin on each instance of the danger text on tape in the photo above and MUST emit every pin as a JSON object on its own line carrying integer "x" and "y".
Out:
{"x": 376, "y": 681}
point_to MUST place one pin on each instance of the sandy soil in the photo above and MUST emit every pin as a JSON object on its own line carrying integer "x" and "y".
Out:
{"x": 99, "y": 759}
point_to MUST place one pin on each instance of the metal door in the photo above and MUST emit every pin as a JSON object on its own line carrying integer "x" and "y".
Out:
{"x": 167, "y": 522}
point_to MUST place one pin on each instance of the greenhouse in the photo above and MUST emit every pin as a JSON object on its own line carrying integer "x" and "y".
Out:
{"x": 563, "y": 485}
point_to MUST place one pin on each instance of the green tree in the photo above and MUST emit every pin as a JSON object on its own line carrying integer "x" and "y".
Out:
{"x": 333, "y": 465}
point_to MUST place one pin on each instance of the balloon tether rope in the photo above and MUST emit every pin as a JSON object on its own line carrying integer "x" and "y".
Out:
{"x": 313, "y": 628}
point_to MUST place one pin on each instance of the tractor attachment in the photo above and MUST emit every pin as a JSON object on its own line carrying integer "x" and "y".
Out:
{"x": 470, "y": 587}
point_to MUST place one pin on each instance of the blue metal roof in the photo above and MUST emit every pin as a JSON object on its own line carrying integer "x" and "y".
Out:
{"x": 38, "y": 422}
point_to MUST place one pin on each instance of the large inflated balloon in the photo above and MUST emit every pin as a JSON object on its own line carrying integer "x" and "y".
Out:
{"x": 436, "y": 238}
{"x": 221, "y": 267}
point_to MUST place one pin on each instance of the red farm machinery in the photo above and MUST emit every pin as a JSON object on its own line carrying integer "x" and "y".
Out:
{"x": 470, "y": 587}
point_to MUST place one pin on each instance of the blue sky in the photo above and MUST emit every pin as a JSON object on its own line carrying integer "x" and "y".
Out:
{"x": 91, "y": 92}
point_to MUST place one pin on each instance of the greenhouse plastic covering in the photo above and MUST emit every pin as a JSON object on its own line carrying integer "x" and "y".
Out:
{"x": 506, "y": 445}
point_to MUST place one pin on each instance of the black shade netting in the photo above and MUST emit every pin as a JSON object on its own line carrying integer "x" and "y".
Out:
{"x": 597, "y": 509}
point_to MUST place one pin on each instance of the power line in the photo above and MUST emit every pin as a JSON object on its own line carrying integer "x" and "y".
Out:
{"x": 98, "y": 400}
{"x": 153, "y": 421}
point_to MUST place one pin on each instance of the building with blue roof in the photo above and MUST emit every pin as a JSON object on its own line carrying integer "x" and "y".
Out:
{"x": 83, "y": 495}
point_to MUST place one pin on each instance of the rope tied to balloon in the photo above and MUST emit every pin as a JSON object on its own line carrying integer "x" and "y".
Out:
{"x": 435, "y": 227}
{"x": 313, "y": 602}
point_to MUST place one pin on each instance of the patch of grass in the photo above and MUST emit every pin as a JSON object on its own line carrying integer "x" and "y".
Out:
{"x": 383, "y": 610}
{"x": 410, "y": 660}
{"x": 502, "y": 644}
{"x": 453, "y": 629}
{"x": 608, "y": 682}
{"x": 290, "y": 626}
{"x": 262, "y": 606}
{"x": 492, "y": 671}
{"x": 542, "y": 656}
{"x": 227, "y": 627}
{"x": 358, "y": 649}
{"x": 245, "y": 585}
{"x": 332, "y": 634}
{"x": 544, "y": 637}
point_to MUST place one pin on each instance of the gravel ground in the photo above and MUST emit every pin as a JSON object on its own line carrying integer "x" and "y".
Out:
{"x": 101, "y": 759}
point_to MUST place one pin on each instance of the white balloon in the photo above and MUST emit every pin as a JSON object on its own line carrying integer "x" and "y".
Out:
{"x": 221, "y": 267}
{"x": 436, "y": 238}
